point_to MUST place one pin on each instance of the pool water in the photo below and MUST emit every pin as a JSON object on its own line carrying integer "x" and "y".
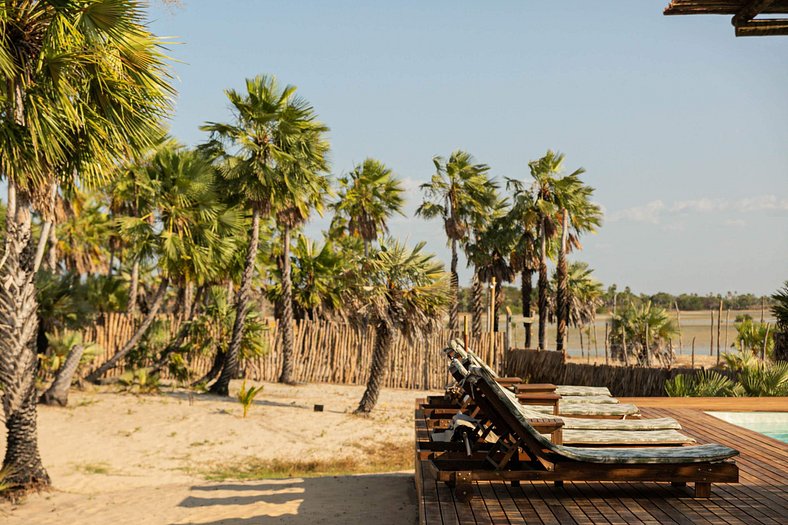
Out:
{"x": 772, "y": 424}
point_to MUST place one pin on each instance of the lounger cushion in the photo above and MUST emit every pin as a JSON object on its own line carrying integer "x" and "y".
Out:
{"x": 608, "y": 400}
{"x": 625, "y": 437}
{"x": 573, "y": 390}
{"x": 589, "y": 409}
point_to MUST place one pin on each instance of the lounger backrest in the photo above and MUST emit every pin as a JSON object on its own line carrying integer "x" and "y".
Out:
{"x": 507, "y": 403}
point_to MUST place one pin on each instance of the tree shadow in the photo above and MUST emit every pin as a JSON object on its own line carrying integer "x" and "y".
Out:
{"x": 368, "y": 498}
{"x": 205, "y": 396}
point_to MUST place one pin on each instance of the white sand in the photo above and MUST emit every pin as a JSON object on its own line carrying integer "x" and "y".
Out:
{"x": 121, "y": 458}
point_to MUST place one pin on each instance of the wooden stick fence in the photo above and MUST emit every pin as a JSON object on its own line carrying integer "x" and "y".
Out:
{"x": 325, "y": 352}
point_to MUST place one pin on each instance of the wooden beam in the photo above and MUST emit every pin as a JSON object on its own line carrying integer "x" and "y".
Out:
{"x": 763, "y": 27}
{"x": 749, "y": 11}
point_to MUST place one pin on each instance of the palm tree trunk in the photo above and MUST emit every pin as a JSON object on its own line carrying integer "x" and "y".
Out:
{"x": 499, "y": 300}
{"x": 385, "y": 337}
{"x": 526, "y": 286}
{"x": 57, "y": 393}
{"x": 542, "y": 284}
{"x": 478, "y": 305}
{"x": 561, "y": 302}
{"x": 52, "y": 255}
{"x": 287, "y": 312}
{"x": 18, "y": 360}
{"x": 42, "y": 245}
{"x": 230, "y": 368}
{"x": 158, "y": 300}
{"x": 455, "y": 289}
{"x": 131, "y": 306}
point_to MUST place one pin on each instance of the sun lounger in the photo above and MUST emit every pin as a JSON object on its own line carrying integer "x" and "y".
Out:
{"x": 522, "y": 453}
{"x": 654, "y": 432}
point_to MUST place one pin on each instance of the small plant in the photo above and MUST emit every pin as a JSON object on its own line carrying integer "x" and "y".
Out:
{"x": 140, "y": 380}
{"x": 246, "y": 396}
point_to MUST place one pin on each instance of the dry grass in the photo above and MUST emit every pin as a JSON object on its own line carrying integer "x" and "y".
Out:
{"x": 371, "y": 458}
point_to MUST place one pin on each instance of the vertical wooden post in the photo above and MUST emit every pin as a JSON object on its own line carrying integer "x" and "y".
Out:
{"x": 719, "y": 328}
{"x": 727, "y": 320}
{"x": 693, "y": 353}
{"x": 490, "y": 322}
{"x": 765, "y": 340}
{"x": 678, "y": 324}
{"x": 624, "y": 343}
{"x": 647, "y": 345}
{"x": 763, "y": 307}
{"x": 607, "y": 355}
{"x": 596, "y": 350}
{"x": 711, "y": 334}
{"x": 465, "y": 332}
{"x": 507, "y": 342}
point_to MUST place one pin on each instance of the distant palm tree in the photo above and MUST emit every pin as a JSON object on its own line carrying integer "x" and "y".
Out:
{"x": 272, "y": 153}
{"x": 191, "y": 237}
{"x": 368, "y": 197}
{"x": 80, "y": 85}
{"x": 489, "y": 252}
{"x": 460, "y": 192}
{"x": 583, "y": 295}
{"x": 403, "y": 293}
{"x": 317, "y": 280}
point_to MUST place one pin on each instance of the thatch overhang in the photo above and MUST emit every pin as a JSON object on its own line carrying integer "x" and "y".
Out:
{"x": 744, "y": 13}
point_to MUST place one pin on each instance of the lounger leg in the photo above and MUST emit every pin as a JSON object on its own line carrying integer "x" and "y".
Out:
{"x": 558, "y": 483}
{"x": 516, "y": 483}
{"x": 463, "y": 486}
{"x": 702, "y": 490}
{"x": 678, "y": 483}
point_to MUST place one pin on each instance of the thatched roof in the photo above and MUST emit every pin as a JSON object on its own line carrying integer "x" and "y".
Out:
{"x": 742, "y": 11}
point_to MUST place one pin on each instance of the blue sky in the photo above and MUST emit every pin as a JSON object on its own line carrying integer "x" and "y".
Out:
{"x": 682, "y": 128}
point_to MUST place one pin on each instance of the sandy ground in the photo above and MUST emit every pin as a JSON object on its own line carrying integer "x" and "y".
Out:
{"x": 123, "y": 458}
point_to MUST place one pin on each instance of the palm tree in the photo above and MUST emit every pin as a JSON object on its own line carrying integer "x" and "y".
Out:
{"x": 402, "y": 293}
{"x": 646, "y": 330}
{"x": 272, "y": 154}
{"x": 583, "y": 295}
{"x": 317, "y": 283}
{"x": 191, "y": 235}
{"x": 80, "y": 85}
{"x": 368, "y": 197}
{"x": 488, "y": 253}
{"x": 523, "y": 218}
{"x": 460, "y": 192}
{"x": 553, "y": 193}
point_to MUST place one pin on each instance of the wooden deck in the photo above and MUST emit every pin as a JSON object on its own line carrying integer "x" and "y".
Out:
{"x": 761, "y": 496}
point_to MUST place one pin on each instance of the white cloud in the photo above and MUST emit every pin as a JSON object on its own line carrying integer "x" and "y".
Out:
{"x": 701, "y": 205}
{"x": 649, "y": 213}
{"x": 763, "y": 202}
{"x": 654, "y": 211}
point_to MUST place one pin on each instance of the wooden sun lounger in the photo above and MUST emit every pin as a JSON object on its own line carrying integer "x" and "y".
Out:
{"x": 521, "y": 453}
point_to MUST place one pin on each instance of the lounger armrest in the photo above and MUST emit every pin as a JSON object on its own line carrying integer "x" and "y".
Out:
{"x": 508, "y": 380}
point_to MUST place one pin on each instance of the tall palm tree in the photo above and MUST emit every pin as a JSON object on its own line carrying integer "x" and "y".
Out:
{"x": 583, "y": 295}
{"x": 553, "y": 193}
{"x": 403, "y": 293}
{"x": 190, "y": 234}
{"x": 368, "y": 197}
{"x": 80, "y": 84}
{"x": 523, "y": 218}
{"x": 459, "y": 192}
{"x": 272, "y": 153}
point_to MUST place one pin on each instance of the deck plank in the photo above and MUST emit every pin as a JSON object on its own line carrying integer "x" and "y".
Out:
{"x": 760, "y": 497}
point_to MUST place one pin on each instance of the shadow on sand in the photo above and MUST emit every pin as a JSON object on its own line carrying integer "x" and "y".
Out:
{"x": 369, "y": 498}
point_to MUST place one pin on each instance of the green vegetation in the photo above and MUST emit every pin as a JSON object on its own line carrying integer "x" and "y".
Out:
{"x": 246, "y": 396}
{"x": 749, "y": 377}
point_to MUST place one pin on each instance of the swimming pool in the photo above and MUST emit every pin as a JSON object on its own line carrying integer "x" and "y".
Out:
{"x": 772, "y": 424}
